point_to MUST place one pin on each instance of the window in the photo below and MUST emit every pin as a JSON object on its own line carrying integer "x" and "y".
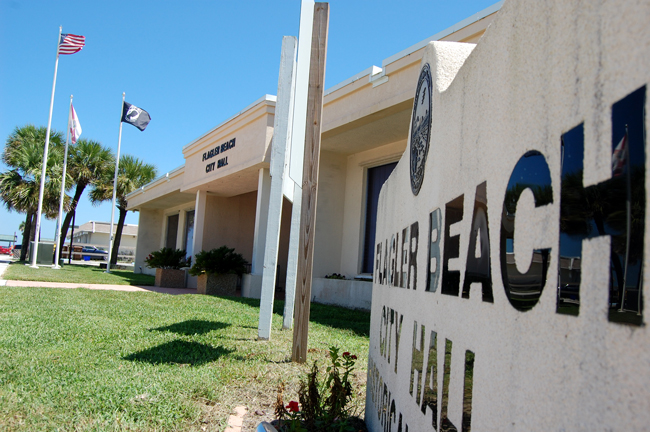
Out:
{"x": 377, "y": 176}
{"x": 172, "y": 231}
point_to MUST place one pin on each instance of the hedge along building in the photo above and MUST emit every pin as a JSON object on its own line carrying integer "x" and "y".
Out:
{"x": 220, "y": 195}
{"x": 525, "y": 153}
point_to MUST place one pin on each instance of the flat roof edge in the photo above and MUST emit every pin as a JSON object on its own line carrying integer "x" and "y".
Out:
{"x": 156, "y": 180}
{"x": 446, "y": 32}
{"x": 363, "y": 73}
{"x": 104, "y": 223}
{"x": 265, "y": 98}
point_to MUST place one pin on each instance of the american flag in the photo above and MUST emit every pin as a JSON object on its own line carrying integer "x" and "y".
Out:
{"x": 70, "y": 44}
{"x": 619, "y": 157}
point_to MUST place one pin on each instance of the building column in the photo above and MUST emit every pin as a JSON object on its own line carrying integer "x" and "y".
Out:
{"x": 199, "y": 222}
{"x": 151, "y": 222}
{"x": 261, "y": 221}
{"x": 197, "y": 237}
{"x": 180, "y": 234}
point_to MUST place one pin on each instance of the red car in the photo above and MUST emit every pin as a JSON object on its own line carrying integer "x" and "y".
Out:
{"x": 5, "y": 250}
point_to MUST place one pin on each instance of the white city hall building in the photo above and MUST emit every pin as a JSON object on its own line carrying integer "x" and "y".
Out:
{"x": 220, "y": 195}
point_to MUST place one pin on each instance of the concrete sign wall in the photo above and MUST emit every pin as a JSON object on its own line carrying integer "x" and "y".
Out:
{"x": 509, "y": 265}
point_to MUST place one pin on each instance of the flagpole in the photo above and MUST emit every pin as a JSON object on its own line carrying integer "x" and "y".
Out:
{"x": 57, "y": 243}
{"x": 117, "y": 165}
{"x": 628, "y": 206}
{"x": 47, "y": 144}
{"x": 640, "y": 282}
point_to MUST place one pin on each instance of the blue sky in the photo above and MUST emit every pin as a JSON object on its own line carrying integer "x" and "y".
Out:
{"x": 190, "y": 64}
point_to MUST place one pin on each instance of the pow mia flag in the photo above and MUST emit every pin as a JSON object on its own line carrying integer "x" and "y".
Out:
{"x": 136, "y": 116}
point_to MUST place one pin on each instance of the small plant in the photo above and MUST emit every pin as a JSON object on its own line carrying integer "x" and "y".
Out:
{"x": 167, "y": 258}
{"x": 323, "y": 404}
{"x": 223, "y": 260}
{"x": 335, "y": 276}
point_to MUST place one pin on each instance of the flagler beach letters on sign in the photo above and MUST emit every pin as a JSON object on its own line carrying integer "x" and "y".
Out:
{"x": 508, "y": 286}
{"x": 222, "y": 162}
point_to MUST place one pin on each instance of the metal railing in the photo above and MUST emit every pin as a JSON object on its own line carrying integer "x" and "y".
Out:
{"x": 126, "y": 253}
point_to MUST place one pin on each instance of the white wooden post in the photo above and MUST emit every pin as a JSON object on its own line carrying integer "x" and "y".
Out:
{"x": 298, "y": 152}
{"x": 292, "y": 261}
{"x": 302, "y": 88}
{"x": 310, "y": 181}
{"x": 279, "y": 161}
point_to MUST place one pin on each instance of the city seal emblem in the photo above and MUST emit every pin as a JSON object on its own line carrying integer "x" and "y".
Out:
{"x": 420, "y": 128}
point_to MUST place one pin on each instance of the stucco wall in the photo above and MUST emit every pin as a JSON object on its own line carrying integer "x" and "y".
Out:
{"x": 252, "y": 132}
{"x": 355, "y": 202}
{"x": 541, "y": 70}
{"x": 150, "y": 225}
{"x": 231, "y": 222}
{"x": 329, "y": 213}
{"x": 361, "y": 99}
{"x": 352, "y": 294}
{"x": 127, "y": 240}
{"x": 165, "y": 185}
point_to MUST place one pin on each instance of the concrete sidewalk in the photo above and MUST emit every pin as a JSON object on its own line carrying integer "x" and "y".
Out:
{"x": 133, "y": 288}
{"x": 4, "y": 263}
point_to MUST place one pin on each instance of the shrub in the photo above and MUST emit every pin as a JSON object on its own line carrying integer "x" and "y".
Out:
{"x": 323, "y": 404}
{"x": 223, "y": 260}
{"x": 167, "y": 258}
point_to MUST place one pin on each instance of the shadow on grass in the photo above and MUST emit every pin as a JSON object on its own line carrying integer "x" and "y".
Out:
{"x": 355, "y": 320}
{"x": 130, "y": 277}
{"x": 192, "y": 327}
{"x": 175, "y": 352}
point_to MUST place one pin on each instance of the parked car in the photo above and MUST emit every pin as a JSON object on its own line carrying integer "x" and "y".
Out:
{"x": 569, "y": 293}
{"x": 5, "y": 250}
{"x": 92, "y": 253}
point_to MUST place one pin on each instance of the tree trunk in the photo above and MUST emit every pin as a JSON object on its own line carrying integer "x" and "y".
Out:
{"x": 26, "y": 232}
{"x": 118, "y": 235}
{"x": 68, "y": 217}
{"x": 71, "y": 250}
{"x": 32, "y": 231}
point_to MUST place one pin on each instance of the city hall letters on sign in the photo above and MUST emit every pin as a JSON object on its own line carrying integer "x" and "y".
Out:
{"x": 510, "y": 260}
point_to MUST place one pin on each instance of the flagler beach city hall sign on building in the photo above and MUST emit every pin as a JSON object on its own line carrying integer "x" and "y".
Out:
{"x": 509, "y": 274}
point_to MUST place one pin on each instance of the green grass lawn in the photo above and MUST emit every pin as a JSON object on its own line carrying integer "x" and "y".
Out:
{"x": 104, "y": 360}
{"x": 75, "y": 274}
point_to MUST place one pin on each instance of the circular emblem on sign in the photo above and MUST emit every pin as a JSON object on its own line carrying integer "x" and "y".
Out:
{"x": 420, "y": 128}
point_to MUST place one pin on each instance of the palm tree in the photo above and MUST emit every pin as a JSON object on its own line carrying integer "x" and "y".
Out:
{"x": 20, "y": 186}
{"x": 87, "y": 161}
{"x": 133, "y": 173}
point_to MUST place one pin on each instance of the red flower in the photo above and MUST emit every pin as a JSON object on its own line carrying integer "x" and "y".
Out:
{"x": 293, "y": 406}
{"x": 353, "y": 357}
{"x": 345, "y": 354}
